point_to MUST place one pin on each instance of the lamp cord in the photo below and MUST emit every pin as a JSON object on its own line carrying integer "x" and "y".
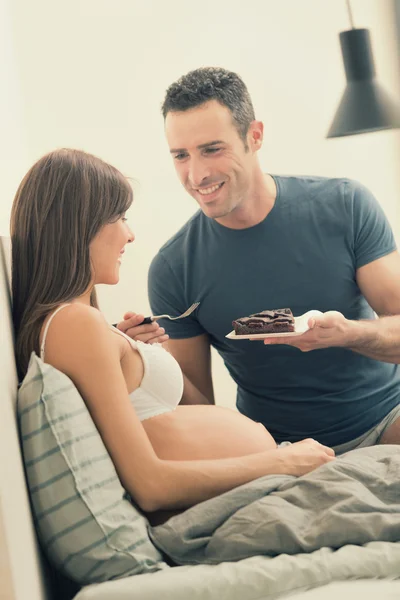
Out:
{"x": 350, "y": 14}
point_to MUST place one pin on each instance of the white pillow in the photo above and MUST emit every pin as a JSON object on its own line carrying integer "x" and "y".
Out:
{"x": 86, "y": 523}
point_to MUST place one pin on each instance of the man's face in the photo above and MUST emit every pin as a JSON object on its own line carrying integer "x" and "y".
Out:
{"x": 210, "y": 157}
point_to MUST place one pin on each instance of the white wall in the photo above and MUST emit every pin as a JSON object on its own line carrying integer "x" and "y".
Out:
{"x": 13, "y": 150}
{"x": 93, "y": 74}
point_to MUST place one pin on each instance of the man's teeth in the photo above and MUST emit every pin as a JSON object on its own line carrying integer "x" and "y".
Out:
{"x": 209, "y": 190}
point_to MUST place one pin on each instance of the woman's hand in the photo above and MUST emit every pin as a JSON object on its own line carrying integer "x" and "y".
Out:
{"x": 150, "y": 334}
{"x": 305, "y": 456}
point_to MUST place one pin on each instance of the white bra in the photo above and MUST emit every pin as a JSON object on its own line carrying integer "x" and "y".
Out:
{"x": 161, "y": 388}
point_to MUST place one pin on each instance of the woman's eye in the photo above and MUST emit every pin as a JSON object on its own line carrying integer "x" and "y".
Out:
{"x": 124, "y": 219}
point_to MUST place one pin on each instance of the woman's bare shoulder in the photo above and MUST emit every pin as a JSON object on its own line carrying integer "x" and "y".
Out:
{"x": 75, "y": 313}
{"x": 75, "y": 329}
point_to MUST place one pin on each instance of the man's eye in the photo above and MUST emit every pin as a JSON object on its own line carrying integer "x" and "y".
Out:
{"x": 180, "y": 156}
{"x": 211, "y": 150}
{"x": 124, "y": 219}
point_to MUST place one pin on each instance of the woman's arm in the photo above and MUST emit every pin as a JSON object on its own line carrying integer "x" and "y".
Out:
{"x": 78, "y": 344}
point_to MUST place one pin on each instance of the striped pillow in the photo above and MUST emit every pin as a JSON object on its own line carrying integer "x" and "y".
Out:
{"x": 86, "y": 524}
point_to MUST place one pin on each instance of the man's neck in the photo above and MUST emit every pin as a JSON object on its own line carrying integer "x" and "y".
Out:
{"x": 256, "y": 207}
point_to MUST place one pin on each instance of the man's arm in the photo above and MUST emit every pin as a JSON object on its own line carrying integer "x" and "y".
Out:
{"x": 189, "y": 344}
{"x": 194, "y": 356}
{"x": 379, "y": 282}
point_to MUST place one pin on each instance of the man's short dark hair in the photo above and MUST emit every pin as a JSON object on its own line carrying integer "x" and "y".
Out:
{"x": 212, "y": 83}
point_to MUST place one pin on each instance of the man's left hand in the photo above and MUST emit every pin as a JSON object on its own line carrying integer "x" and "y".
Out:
{"x": 326, "y": 330}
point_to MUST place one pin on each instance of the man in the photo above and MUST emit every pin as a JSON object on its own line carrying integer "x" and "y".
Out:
{"x": 264, "y": 242}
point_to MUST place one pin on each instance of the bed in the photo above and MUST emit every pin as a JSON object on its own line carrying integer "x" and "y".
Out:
{"x": 25, "y": 573}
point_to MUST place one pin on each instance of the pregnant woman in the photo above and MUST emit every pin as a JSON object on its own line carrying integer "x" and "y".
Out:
{"x": 69, "y": 232}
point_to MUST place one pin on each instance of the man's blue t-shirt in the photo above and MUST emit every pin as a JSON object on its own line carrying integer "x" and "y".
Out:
{"x": 303, "y": 255}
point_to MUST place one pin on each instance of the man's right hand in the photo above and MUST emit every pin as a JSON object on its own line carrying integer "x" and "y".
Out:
{"x": 305, "y": 456}
{"x": 149, "y": 334}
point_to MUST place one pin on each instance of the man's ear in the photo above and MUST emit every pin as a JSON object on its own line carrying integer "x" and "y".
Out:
{"x": 255, "y": 135}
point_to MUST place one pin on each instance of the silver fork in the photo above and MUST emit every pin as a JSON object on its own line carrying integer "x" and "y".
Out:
{"x": 182, "y": 316}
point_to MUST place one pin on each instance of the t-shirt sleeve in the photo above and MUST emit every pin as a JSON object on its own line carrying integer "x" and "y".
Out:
{"x": 373, "y": 237}
{"x": 167, "y": 296}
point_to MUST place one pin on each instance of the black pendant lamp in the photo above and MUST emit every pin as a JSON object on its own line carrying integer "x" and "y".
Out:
{"x": 365, "y": 106}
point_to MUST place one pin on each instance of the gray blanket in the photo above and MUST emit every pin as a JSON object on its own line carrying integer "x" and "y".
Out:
{"x": 352, "y": 500}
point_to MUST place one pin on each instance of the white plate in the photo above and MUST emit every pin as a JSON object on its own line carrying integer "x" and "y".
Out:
{"x": 300, "y": 327}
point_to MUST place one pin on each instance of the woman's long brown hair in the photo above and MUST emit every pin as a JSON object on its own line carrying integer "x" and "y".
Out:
{"x": 61, "y": 204}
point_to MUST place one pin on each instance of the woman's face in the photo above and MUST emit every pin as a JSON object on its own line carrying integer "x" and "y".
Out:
{"x": 107, "y": 248}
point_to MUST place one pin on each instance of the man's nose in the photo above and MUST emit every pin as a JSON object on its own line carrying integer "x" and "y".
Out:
{"x": 199, "y": 172}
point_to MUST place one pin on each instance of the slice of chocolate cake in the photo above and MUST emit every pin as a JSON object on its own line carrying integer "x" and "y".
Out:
{"x": 280, "y": 320}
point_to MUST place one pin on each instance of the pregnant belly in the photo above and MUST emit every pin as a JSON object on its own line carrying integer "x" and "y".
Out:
{"x": 205, "y": 432}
